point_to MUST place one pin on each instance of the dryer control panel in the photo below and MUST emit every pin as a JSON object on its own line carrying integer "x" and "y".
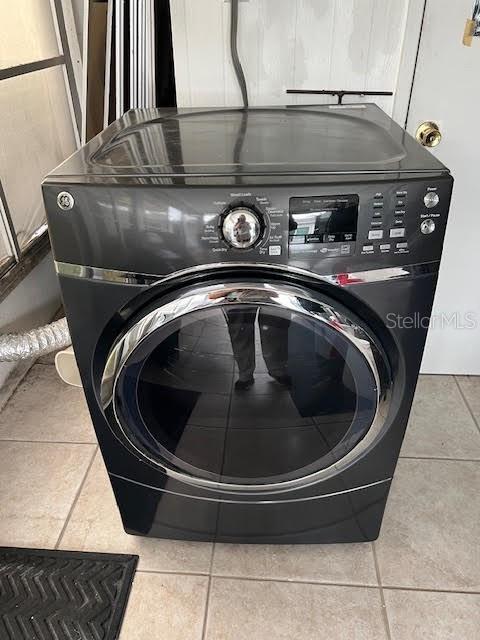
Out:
{"x": 378, "y": 225}
{"x": 390, "y": 222}
{"x": 326, "y": 226}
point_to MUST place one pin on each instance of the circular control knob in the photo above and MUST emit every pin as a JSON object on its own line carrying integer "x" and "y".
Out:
{"x": 427, "y": 226}
{"x": 431, "y": 200}
{"x": 241, "y": 228}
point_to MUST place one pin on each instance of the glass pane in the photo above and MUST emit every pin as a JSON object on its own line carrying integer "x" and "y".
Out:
{"x": 36, "y": 134}
{"x": 28, "y": 32}
{"x": 249, "y": 394}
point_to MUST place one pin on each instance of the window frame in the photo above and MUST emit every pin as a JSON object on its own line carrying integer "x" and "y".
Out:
{"x": 20, "y": 262}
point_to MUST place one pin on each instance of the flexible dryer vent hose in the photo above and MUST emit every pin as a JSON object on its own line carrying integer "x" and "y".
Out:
{"x": 35, "y": 343}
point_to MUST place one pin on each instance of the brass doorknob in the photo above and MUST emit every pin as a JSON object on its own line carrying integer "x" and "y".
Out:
{"x": 428, "y": 134}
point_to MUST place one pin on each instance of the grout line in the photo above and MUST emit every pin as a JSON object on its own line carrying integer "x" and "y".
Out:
{"x": 347, "y": 585}
{"x": 207, "y": 600}
{"x": 171, "y": 572}
{"x": 290, "y": 581}
{"x": 212, "y": 555}
{"x": 436, "y": 459}
{"x": 47, "y": 441}
{"x": 467, "y": 403}
{"x": 207, "y": 603}
{"x": 431, "y": 590}
{"x": 75, "y": 500}
{"x": 382, "y": 598}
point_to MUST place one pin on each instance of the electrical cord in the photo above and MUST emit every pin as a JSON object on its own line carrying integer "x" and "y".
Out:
{"x": 237, "y": 65}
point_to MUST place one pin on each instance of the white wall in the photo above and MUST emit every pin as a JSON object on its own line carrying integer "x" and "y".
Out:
{"x": 302, "y": 44}
{"x": 31, "y": 304}
{"x": 358, "y": 44}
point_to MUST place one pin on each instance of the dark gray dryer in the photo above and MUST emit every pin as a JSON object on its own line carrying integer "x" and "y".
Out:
{"x": 248, "y": 294}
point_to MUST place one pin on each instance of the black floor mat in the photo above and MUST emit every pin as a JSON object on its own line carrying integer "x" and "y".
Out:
{"x": 63, "y": 595}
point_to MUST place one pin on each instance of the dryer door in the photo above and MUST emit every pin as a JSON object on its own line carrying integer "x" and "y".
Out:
{"x": 247, "y": 387}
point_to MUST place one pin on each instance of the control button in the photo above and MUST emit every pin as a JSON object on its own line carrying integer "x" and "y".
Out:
{"x": 431, "y": 200}
{"x": 332, "y": 237}
{"x": 368, "y": 248}
{"x": 385, "y": 247}
{"x": 348, "y": 237}
{"x": 427, "y": 226}
{"x": 274, "y": 250}
{"x": 402, "y": 245}
{"x": 400, "y": 202}
{"x": 377, "y": 214}
{"x": 377, "y": 205}
{"x": 399, "y": 212}
{"x": 376, "y": 223}
{"x": 401, "y": 194}
{"x": 397, "y": 233}
{"x": 297, "y": 239}
{"x": 241, "y": 228}
{"x": 378, "y": 196}
{"x": 399, "y": 221}
{"x": 375, "y": 234}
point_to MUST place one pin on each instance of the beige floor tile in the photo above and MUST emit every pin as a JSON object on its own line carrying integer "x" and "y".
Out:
{"x": 45, "y": 408}
{"x": 470, "y": 386}
{"x": 255, "y": 610}
{"x": 433, "y": 616}
{"x": 38, "y": 483}
{"x": 351, "y": 564}
{"x": 95, "y": 525}
{"x": 169, "y": 607}
{"x": 429, "y": 538}
{"x": 440, "y": 423}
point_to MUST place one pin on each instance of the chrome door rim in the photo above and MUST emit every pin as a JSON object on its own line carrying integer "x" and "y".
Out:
{"x": 285, "y": 296}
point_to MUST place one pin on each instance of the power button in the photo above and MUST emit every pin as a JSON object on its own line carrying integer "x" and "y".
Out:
{"x": 431, "y": 200}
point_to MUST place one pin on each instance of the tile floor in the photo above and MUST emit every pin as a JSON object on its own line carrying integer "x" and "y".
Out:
{"x": 421, "y": 579}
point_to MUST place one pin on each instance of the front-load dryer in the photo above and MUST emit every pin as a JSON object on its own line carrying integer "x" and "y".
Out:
{"x": 248, "y": 294}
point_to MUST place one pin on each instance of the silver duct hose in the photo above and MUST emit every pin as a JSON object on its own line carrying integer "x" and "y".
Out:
{"x": 35, "y": 343}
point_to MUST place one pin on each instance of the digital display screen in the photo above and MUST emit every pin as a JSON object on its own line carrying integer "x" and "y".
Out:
{"x": 323, "y": 219}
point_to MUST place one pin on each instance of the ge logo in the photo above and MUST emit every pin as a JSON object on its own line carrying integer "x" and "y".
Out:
{"x": 65, "y": 201}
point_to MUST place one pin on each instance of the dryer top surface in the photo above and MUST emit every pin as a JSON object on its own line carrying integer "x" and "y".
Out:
{"x": 296, "y": 140}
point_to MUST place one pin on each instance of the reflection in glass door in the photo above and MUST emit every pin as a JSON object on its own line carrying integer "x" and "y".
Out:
{"x": 247, "y": 394}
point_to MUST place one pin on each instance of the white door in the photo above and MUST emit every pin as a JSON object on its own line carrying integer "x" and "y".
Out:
{"x": 446, "y": 90}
